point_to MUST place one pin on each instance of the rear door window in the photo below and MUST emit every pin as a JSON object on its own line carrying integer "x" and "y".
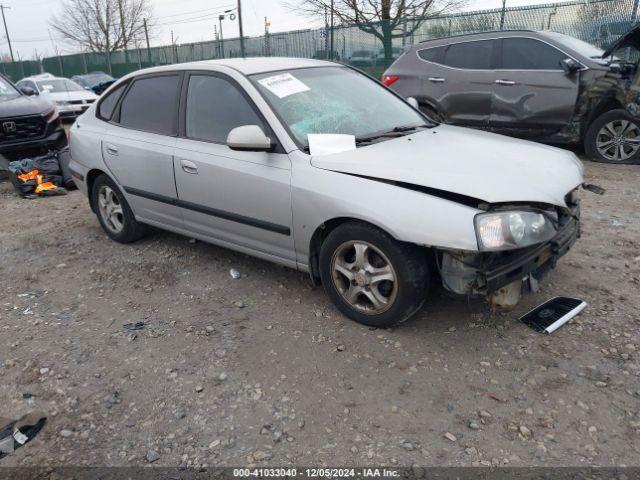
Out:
{"x": 151, "y": 105}
{"x": 470, "y": 55}
{"x": 529, "y": 54}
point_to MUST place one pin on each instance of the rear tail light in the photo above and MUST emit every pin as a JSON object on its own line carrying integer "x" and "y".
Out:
{"x": 387, "y": 80}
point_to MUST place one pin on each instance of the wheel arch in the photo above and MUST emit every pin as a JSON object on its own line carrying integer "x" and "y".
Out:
{"x": 603, "y": 106}
{"x": 91, "y": 179}
{"x": 324, "y": 229}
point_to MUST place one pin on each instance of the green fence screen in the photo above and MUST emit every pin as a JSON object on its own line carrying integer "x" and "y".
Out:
{"x": 596, "y": 21}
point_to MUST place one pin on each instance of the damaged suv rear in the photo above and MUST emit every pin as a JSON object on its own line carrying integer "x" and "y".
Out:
{"x": 539, "y": 85}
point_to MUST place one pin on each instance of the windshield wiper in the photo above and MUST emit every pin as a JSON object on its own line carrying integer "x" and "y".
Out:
{"x": 408, "y": 128}
{"x": 394, "y": 133}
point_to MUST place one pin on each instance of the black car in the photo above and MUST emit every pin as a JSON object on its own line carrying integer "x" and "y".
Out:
{"x": 96, "y": 81}
{"x": 29, "y": 125}
{"x": 542, "y": 86}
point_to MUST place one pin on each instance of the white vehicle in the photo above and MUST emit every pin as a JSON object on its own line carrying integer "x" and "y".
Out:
{"x": 318, "y": 167}
{"x": 70, "y": 98}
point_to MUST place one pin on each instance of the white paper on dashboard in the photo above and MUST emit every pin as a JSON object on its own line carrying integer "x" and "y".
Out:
{"x": 328, "y": 143}
{"x": 283, "y": 85}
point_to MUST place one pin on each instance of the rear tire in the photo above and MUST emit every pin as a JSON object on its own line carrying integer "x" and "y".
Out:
{"x": 614, "y": 137}
{"x": 113, "y": 212}
{"x": 372, "y": 278}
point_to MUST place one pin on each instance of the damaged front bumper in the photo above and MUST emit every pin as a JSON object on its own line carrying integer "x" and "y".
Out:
{"x": 499, "y": 275}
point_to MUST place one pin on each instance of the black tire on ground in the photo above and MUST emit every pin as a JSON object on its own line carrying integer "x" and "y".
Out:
{"x": 131, "y": 230}
{"x": 594, "y": 133}
{"x": 408, "y": 261}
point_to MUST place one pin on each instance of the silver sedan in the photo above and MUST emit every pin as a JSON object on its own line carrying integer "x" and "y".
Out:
{"x": 315, "y": 166}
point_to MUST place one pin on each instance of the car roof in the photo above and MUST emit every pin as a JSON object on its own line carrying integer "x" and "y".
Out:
{"x": 477, "y": 36}
{"x": 246, "y": 66}
{"x": 43, "y": 76}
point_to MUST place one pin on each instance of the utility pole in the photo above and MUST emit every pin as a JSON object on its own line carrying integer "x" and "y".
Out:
{"x": 4, "y": 20}
{"x": 240, "y": 27}
{"x": 173, "y": 48}
{"x": 331, "y": 33}
{"x": 504, "y": 10}
{"x": 267, "y": 46}
{"x": 146, "y": 36}
{"x": 220, "y": 18}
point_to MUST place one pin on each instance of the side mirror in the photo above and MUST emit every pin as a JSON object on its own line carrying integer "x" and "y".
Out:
{"x": 248, "y": 138}
{"x": 413, "y": 102}
{"x": 570, "y": 66}
{"x": 28, "y": 91}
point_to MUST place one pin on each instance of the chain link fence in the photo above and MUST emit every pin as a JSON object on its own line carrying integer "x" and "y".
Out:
{"x": 371, "y": 47}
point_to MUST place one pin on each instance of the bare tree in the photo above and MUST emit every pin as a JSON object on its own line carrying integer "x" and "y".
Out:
{"x": 102, "y": 25}
{"x": 380, "y": 18}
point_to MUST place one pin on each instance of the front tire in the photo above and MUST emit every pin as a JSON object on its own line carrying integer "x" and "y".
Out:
{"x": 614, "y": 137}
{"x": 113, "y": 212}
{"x": 372, "y": 278}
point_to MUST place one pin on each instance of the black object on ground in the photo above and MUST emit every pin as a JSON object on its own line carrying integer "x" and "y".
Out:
{"x": 14, "y": 434}
{"x": 553, "y": 313}
{"x": 134, "y": 326}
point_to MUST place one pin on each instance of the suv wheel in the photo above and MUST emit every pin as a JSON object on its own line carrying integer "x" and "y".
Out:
{"x": 614, "y": 137}
{"x": 114, "y": 213}
{"x": 372, "y": 278}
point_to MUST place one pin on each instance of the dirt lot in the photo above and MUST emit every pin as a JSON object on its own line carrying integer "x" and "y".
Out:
{"x": 262, "y": 369}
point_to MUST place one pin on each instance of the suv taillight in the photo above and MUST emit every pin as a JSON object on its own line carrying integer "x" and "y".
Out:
{"x": 387, "y": 80}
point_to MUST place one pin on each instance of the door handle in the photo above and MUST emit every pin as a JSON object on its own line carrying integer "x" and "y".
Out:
{"x": 505, "y": 82}
{"x": 436, "y": 79}
{"x": 189, "y": 167}
{"x": 111, "y": 149}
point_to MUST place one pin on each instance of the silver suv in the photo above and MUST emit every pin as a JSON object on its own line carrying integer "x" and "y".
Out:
{"x": 538, "y": 85}
{"x": 317, "y": 167}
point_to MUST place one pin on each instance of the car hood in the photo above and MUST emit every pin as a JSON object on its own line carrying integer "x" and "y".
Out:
{"x": 629, "y": 39}
{"x": 489, "y": 167}
{"x": 23, "y": 105}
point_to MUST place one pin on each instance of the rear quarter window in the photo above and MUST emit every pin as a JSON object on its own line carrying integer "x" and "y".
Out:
{"x": 433, "y": 54}
{"x": 108, "y": 103}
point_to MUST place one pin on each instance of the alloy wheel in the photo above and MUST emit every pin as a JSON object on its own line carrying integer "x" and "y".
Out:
{"x": 364, "y": 277}
{"x": 110, "y": 209}
{"x": 618, "y": 140}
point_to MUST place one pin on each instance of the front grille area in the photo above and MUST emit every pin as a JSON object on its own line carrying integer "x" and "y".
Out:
{"x": 21, "y": 128}
{"x": 82, "y": 102}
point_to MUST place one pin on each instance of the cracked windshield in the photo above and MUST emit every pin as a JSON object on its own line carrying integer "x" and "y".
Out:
{"x": 334, "y": 100}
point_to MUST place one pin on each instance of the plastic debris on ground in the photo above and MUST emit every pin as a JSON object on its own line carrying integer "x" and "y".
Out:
{"x": 553, "y": 313}
{"x": 16, "y": 433}
{"x": 43, "y": 176}
{"x": 234, "y": 273}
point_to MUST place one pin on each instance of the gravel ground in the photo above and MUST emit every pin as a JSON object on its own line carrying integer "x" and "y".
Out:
{"x": 263, "y": 369}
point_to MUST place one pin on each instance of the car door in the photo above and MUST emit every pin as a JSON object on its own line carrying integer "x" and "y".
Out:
{"x": 532, "y": 93}
{"x": 236, "y": 198}
{"x": 138, "y": 143}
{"x": 461, "y": 81}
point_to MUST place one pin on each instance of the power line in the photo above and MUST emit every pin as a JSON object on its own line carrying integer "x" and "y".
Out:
{"x": 195, "y": 11}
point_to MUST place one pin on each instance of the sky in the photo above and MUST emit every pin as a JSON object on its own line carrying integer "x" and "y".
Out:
{"x": 28, "y": 21}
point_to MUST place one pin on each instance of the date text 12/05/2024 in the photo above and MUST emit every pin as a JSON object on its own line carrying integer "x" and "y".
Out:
{"x": 317, "y": 472}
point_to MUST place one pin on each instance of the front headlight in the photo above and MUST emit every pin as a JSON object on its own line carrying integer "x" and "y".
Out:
{"x": 513, "y": 229}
